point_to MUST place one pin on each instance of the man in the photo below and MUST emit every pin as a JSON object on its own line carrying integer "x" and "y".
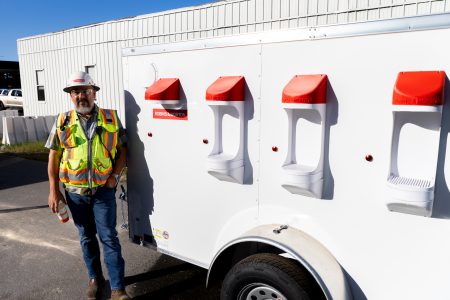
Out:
{"x": 87, "y": 154}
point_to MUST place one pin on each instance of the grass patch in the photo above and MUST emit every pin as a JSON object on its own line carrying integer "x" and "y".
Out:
{"x": 32, "y": 150}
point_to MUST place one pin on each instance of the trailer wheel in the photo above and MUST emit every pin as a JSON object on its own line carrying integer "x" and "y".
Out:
{"x": 266, "y": 276}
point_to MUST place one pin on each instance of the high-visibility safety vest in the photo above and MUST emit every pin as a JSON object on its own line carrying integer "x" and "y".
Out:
{"x": 84, "y": 162}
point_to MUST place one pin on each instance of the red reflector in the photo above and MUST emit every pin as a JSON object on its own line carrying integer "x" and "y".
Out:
{"x": 164, "y": 89}
{"x": 226, "y": 88}
{"x": 419, "y": 88}
{"x": 306, "y": 89}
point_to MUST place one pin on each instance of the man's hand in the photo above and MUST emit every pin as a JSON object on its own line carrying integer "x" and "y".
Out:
{"x": 111, "y": 182}
{"x": 54, "y": 196}
{"x": 53, "y": 200}
{"x": 121, "y": 158}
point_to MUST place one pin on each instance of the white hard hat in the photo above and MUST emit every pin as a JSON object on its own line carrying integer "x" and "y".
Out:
{"x": 79, "y": 79}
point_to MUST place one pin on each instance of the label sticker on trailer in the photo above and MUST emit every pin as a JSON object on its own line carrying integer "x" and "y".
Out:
{"x": 161, "y": 237}
{"x": 170, "y": 114}
{"x": 160, "y": 234}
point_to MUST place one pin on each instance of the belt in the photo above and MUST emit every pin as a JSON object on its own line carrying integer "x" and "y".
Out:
{"x": 82, "y": 191}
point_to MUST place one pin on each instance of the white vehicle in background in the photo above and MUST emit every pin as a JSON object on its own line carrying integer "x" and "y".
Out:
{"x": 3, "y": 93}
{"x": 11, "y": 98}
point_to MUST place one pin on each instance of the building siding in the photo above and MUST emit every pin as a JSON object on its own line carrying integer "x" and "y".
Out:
{"x": 99, "y": 45}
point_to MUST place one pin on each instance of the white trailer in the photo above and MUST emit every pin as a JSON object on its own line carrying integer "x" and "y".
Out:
{"x": 297, "y": 164}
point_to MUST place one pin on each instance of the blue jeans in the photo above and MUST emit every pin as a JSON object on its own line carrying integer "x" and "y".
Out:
{"x": 97, "y": 214}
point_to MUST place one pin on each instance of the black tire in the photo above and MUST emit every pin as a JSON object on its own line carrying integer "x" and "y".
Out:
{"x": 2, "y": 106}
{"x": 266, "y": 276}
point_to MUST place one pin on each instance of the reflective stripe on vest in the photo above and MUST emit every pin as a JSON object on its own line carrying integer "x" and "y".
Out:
{"x": 74, "y": 169}
{"x": 109, "y": 138}
{"x": 73, "y": 177}
{"x": 99, "y": 177}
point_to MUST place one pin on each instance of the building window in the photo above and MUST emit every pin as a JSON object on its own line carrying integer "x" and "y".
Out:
{"x": 91, "y": 71}
{"x": 40, "y": 85}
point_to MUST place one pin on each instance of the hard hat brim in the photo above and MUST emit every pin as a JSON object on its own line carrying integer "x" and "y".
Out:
{"x": 69, "y": 88}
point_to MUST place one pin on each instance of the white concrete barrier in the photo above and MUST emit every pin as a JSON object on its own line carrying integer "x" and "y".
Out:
{"x": 6, "y": 113}
{"x": 13, "y": 130}
{"x": 49, "y": 121}
{"x": 18, "y": 130}
{"x": 30, "y": 129}
{"x": 41, "y": 129}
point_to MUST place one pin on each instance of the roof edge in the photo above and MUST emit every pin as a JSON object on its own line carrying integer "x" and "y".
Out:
{"x": 154, "y": 14}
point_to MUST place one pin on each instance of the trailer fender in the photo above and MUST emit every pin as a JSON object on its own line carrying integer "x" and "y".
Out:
{"x": 298, "y": 245}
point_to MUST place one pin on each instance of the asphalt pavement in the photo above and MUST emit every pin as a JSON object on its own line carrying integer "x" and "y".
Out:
{"x": 40, "y": 258}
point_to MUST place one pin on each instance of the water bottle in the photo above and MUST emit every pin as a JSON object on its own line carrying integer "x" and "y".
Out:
{"x": 62, "y": 213}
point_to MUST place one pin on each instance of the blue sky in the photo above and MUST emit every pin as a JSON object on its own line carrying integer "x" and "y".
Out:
{"x": 23, "y": 18}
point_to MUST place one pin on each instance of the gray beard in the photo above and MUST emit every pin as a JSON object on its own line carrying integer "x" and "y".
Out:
{"x": 84, "y": 110}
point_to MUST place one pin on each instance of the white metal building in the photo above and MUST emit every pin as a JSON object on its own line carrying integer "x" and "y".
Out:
{"x": 46, "y": 60}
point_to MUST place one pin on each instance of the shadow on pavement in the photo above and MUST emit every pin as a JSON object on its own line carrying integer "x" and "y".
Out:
{"x": 9, "y": 210}
{"x": 178, "y": 282}
{"x": 156, "y": 273}
{"x": 175, "y": 290}
{"x": 15, "y": 171}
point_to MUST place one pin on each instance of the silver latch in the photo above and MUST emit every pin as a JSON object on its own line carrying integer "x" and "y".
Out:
{"x": 279, "y": 229}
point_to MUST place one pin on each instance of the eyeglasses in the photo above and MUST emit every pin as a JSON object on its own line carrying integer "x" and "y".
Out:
{"x": 85, "y": 92}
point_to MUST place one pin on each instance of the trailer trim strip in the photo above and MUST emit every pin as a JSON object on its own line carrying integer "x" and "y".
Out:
{"x": 404, "y": 24}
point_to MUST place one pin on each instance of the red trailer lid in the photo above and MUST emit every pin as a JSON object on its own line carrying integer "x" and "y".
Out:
{"x": 306, "y": 89}
{"x": 226, "y": 88}
{"x": 164, "y": 89}
{"x": 419, "y": 88}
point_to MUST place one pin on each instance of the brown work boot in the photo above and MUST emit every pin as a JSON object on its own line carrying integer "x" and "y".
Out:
{"x": 95, "y": 288}
{"x": 119, "y": 295}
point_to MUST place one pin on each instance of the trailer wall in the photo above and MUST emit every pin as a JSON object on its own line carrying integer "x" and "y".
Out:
{"x": 192, "y": 214}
